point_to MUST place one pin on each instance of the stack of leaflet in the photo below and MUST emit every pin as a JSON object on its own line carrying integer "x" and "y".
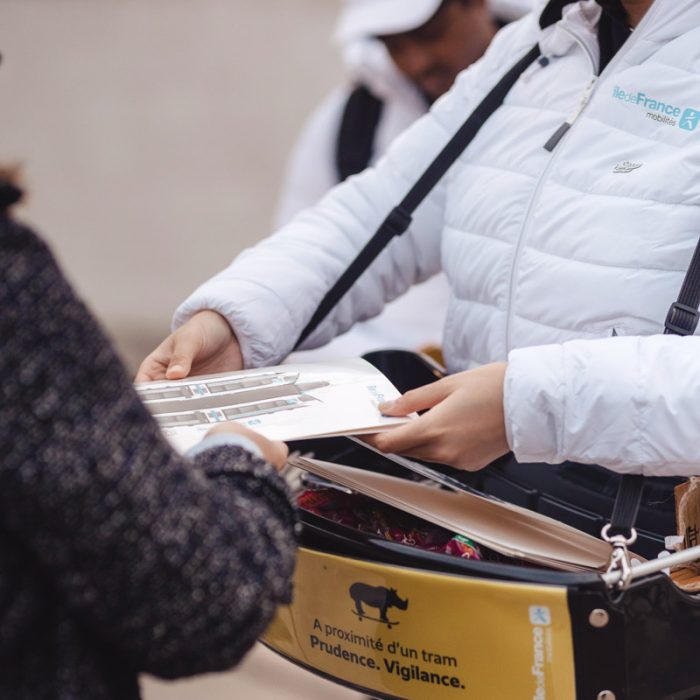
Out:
{"x": 510, "y": 530}
{"x": 290, "y": 402}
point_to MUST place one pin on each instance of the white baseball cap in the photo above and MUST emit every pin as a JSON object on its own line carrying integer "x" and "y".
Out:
{"x": 510, "y": 10}
{"x": 360, "y": 19}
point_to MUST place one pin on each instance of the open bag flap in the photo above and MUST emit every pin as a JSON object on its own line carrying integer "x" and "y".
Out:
{"x": 510, "y": 530}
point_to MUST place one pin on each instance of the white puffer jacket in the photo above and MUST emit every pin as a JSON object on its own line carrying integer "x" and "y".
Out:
{"x": 539, "y": 247}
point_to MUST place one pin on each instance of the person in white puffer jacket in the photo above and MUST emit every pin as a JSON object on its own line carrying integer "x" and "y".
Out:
{"x": 398, "y": 62}
{"x": 549, "y": 252}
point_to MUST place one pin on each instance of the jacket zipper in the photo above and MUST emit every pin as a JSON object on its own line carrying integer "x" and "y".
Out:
{"x": 585, "y": 101}
{"x": 584, "y": 47}
{"x": 559, "y": 134}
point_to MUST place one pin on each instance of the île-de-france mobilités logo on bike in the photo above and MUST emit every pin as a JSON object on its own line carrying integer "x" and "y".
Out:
{"x": 660, "y": 111}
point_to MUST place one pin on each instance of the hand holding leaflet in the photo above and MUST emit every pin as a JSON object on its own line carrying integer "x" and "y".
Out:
{"x": 464, "y": 426}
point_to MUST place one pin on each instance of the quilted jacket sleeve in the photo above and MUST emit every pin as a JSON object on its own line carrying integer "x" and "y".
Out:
{"x": 629, "y": 404}
{"x": 176, "y": 565}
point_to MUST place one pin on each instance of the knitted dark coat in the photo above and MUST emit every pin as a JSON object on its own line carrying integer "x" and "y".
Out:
{"x": 117, "y": 556}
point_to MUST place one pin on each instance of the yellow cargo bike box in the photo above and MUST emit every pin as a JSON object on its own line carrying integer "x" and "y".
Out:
{"x": 393, "y": 621}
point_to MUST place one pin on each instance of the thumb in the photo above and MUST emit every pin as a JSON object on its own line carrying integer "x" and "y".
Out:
{"x": 277, "y": 455}
{"x": 417, "y": 399}
{"x": 185, "y": 349}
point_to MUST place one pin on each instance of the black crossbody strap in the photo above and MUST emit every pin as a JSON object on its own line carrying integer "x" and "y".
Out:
{"x": 682, "y": 318}
{"x": 627, "y": 502}
{"x": 399, "y": 219}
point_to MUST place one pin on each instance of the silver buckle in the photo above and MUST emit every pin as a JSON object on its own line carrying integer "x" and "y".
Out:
{"x": 620, "y": 556}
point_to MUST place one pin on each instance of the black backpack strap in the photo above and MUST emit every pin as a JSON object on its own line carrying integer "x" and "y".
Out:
{"x": 355, "y": 144}
{"x": 399, "y": 219}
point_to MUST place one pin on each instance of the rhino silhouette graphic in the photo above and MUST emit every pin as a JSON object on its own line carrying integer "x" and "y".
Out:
{"x": 376, "y": 597}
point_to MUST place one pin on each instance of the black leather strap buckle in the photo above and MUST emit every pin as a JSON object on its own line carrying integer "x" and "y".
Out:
{"x": 681, "y": 319}
{"x": 398, "y": 221}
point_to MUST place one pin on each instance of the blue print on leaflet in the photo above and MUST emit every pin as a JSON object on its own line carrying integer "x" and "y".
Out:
{"x": 659, "y": 110}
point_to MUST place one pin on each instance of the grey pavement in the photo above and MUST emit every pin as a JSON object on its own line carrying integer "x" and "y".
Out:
{"x": 262, "y": 676}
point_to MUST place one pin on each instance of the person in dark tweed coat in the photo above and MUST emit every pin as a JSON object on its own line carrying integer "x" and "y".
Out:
{"x": 117, "y": 556}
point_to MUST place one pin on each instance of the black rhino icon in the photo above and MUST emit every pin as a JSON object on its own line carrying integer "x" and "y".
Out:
{"x": 376, "y": 597}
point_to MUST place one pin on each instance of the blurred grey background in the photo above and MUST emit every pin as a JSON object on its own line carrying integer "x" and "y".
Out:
{"x": 153, "y": 135}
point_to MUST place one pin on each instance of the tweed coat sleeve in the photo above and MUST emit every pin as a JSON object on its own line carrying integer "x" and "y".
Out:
{"x": 174, "y": 565}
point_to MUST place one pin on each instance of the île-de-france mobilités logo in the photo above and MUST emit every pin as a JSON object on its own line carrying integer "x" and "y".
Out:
{"x": 661, "y": 111}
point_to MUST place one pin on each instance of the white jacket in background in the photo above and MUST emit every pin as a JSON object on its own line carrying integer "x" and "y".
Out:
{"x": 540, "y": 248}
{"x": 311, "y": 172}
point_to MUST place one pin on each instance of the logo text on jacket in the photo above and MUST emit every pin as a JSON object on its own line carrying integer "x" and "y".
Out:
{"x": 662, "y": 112}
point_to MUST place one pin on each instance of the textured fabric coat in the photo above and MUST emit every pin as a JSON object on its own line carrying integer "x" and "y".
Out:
{"x": 117, "y": 556}
{"x": 539, "y": 246}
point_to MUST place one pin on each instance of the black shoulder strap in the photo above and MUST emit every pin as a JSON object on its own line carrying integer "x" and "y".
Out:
{"x": 355, "y": 145}
{"x": 682, "y": 318}
{"x": 627, "y": 502}
{"x": 399, "y": 219}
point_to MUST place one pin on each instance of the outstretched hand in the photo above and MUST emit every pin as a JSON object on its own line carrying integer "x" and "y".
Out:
{"x": 464, "y": 426}
{"x": 204, "y": 345}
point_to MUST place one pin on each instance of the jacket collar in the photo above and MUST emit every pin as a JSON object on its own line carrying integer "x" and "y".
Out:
{"x": 554, "y": 9}
{"x": 665, "y": 21}
{"x": 681, "y": 14}
{"x": 552, "y": 12}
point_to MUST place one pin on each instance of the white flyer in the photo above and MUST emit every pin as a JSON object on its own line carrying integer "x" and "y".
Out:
{"x": 289, "y": 402}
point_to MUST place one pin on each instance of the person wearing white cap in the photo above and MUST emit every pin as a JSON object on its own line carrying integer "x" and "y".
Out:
{"x": 401, "y": 55}
{"x": 430, "y": 41}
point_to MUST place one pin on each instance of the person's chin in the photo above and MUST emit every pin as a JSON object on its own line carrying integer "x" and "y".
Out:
{"x": 435, "y": 87}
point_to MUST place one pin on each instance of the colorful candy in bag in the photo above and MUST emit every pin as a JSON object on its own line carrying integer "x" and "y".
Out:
{"x": 361, "y": 513}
